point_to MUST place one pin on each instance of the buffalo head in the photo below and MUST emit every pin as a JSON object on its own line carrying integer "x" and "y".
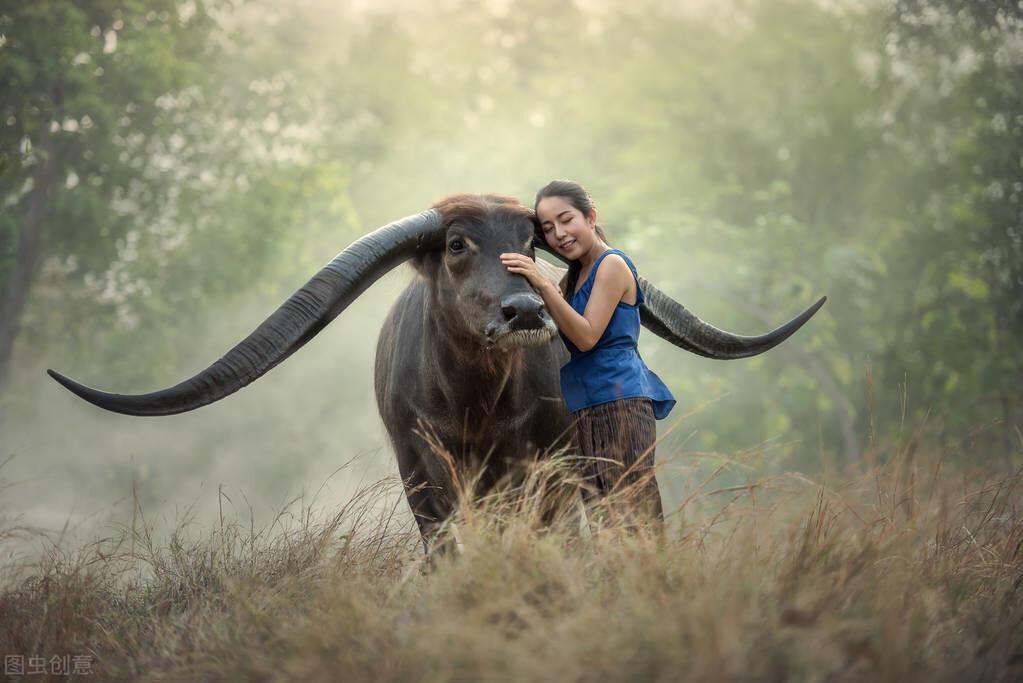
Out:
{"x": 478, "y": 298}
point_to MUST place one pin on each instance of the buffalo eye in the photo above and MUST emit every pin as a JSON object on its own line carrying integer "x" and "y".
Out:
{"x": 456, "y": 246}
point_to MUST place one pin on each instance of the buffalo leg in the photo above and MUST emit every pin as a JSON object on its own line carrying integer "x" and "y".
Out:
{"x": 430, "y": 506}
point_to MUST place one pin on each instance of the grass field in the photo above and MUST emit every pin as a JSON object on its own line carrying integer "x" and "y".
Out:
{"x": 912, "y": 569}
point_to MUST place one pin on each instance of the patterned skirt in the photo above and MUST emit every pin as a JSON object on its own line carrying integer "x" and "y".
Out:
{"x": 616, "y": 442}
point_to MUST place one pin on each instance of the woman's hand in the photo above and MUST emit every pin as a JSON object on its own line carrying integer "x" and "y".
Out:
{"x": 525, "y": 266}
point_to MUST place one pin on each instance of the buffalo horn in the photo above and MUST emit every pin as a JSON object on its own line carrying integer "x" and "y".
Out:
{"x": 294, "y": 323}
{"x": 671, "y": 321}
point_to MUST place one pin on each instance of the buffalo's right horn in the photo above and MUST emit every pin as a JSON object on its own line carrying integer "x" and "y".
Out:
{"x": 297, "y": 321}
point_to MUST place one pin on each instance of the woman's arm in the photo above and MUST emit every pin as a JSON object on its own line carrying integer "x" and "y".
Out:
{"x": 610, "y": 284}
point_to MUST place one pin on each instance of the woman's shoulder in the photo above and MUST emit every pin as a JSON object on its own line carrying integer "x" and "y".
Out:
{"x": 618, "y": 265}
{"x": 620, "y": 272}
{"x": 622, "y": 263}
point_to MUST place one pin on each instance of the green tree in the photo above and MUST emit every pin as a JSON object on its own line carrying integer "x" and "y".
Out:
{"x": 954, "y": 71}
{"x": 80, "y": 101}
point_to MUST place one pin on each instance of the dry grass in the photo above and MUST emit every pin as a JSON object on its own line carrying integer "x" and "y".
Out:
{"x": 908, "y": 570}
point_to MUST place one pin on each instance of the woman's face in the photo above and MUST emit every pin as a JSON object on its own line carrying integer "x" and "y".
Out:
{"x": 565, "y": 228}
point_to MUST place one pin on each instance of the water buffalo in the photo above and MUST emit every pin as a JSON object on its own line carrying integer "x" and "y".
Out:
{"x": 467, "y": 351}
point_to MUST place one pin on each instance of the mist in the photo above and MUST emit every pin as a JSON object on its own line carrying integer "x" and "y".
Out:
{"x": 749, "y": 156}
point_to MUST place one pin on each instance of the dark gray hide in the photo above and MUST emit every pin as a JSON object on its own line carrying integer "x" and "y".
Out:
{"x": 469, "y": 353}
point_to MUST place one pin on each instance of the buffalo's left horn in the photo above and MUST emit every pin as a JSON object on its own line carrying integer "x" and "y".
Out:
{"x": 297, "y": 321}
{"x": 671, "y": 321}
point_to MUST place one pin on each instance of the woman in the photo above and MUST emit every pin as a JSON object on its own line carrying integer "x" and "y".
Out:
{"x": 614, "y": 397}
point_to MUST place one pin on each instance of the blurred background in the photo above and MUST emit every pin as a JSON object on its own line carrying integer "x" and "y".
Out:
{"x": 172, "y": 171}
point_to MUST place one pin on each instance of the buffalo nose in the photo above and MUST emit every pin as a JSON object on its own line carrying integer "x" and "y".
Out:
{"x": 523, "y": 310}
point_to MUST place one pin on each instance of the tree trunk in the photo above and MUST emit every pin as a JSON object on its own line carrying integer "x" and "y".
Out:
{"x": 30, "y": 238}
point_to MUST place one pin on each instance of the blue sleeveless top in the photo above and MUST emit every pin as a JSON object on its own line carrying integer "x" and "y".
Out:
{"x": 612, "y": 369}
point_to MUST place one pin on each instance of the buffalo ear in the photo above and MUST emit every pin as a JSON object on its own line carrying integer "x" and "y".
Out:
{"x": 426, "y": 263}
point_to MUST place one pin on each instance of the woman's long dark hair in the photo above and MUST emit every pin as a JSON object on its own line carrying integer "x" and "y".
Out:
{"x": 580, "y": 199}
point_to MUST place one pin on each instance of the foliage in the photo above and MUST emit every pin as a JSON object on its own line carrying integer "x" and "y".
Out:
{"x": 84, "y": 109}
